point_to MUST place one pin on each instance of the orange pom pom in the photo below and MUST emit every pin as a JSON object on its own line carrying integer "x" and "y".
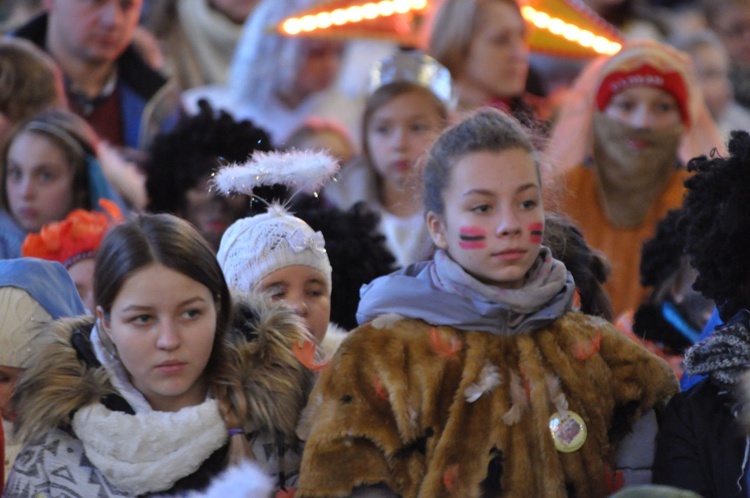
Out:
{"x": 305, "y": 354}
{"x": 77, "y": 236}
{"x": 586, "y": 349}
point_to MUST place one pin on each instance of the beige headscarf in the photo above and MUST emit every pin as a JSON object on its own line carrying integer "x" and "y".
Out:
{"x": 19, "y": 312}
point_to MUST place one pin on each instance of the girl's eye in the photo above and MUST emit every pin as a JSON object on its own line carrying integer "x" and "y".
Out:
{"x": 140, "y": 320}
{"x": 46, "y": 176}
{"x": 382, "y": 130}
{"x": 14, "y": 174}
{"x": 192, "y": 313}
{"x": 419, "y": 127}
{"x": 625, "y": 106}
{"x": 665, "y": 107}
{"x": 481, "y": 208}
{"x": 529, "y": 204}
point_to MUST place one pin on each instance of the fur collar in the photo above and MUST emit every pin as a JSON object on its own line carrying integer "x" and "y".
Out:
{"x": 62, "y": 378}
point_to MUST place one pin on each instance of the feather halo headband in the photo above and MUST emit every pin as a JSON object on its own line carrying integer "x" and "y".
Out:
{"x": 301, "y": 170}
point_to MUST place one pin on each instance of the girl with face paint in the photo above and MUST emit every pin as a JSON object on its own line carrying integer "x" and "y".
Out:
{"x": 619, "y": 142}
{"x": 473, "y": 367}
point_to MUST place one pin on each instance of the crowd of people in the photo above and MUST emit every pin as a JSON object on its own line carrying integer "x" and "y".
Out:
{"x": 239, "y": 263}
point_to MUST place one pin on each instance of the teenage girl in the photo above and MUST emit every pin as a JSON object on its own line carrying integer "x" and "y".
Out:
{"x": 470, "y": 375}
{"x": 402, "y": 117}
{"x": 48, "y": 167}
{"x": 167, "y": 386}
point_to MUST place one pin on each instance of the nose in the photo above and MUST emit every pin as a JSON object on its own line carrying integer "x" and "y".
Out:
{"x": 399, "y": 138}
{"x": 298, "y": 305}
{"x": 509, "y": 224}
{"x": 27, "y": 188}
{"x": 169, "y": 337}
{"x": 641, "y": 117}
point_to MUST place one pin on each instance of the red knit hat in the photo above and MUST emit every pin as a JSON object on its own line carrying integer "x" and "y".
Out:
{"x": 645, "y": 75}
{"x": 76, "y": 237}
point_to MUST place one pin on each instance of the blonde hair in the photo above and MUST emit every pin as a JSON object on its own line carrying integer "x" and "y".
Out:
{"x": 452, "y": 30}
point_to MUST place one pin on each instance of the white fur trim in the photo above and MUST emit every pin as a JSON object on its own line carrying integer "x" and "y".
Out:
{"x": 246, "y": 480}
{"x": 387, "y": 320}
{"x": 150, "y": 451}
{"x": 305, "y": 170}
{"x": 489, "y": 379}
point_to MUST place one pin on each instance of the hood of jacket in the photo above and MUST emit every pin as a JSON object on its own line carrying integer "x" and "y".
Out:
{"x": 65, "y": 375}
{"x": 410, "y": 292}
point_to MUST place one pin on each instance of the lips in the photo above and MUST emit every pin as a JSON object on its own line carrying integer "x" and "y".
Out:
{"x": 170, "y": 367}
{"x": 510, "y": 254}
{"x": 402, "y": 165}
{"x": 27, "y": 213}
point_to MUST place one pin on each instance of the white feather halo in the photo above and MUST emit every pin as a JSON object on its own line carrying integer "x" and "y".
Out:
{"x": 303, "y": 170}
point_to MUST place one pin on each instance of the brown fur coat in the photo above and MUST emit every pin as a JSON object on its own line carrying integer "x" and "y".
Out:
{"x": 392, "y": 407}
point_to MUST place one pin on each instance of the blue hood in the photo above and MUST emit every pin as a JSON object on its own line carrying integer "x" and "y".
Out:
{"x": 47, "y": 282}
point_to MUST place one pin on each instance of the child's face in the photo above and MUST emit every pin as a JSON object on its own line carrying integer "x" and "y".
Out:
{"x": 82, "y": 274}
{"x": 712, "y": 71}
{"x": 305, "y": 290}
{"x": 494, "y": 219}
{"x": 39, "y": 181}
{"x": 8, "y": 380}
{"x": 644, "y": 107}
{"x": 398, "y": 133}
{"x": 210, "y": 212}
{"x": 732, "y": 24}
{"x": 163, "y": 325}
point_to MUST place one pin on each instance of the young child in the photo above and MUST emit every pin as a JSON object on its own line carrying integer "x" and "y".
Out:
{"x": 170, "y": 372}
{"x": 276, "y": 252}
{"x": 48, "y": 167}
{"x": 73, "y": 242}
{"x": 32, "y": 293}
{"x": 403, "y": 114}
{"x": 469, "y": 375}
{"x": 617, "y": 144}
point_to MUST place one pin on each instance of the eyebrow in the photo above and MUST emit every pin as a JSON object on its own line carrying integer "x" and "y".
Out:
{"x": 482, "y": 191}
{"x": 139, "y": 307}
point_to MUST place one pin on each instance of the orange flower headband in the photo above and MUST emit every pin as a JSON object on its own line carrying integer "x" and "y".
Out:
{"x": 76, "y": 237}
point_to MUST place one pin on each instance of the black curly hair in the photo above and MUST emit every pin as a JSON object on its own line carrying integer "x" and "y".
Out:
{"x": 589, "y": 267}
{"x": 195, "y": 147}
{"x": 660, "y": 256}
{"x": 717, "y": 231}
{"x": 355, "y": 247}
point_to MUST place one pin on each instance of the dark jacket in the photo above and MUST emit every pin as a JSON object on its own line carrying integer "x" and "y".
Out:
{"x": 700, "y": 446}
{"x": 149, "y": 102}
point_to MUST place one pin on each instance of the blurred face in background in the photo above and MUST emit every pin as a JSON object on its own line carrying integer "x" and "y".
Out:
{"x": 732, "y": 24}
{"x": 712, "y": 72}
{"x": 92, "y": 31}
{"x": 498, "y": 60}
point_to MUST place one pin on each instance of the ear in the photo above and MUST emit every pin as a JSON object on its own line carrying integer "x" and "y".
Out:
{"x": 102, "y": 319}
{"x": 436, "y": 226}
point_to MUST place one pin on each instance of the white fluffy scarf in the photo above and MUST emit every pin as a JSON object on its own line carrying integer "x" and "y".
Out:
{"x": 151, "y": 450}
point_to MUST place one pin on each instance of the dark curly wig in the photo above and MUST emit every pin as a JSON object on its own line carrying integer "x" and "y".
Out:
{"x": 195, "y": 147}
{"x": 590, "y": 268}
{"x": 718, "y": 225}
{"x": 355, "y": 247}
{"x": 660, "y": 256}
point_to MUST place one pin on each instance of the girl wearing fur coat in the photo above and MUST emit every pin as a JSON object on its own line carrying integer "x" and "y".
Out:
{"x": 168, "y": 386}
{"x": 470, "y": 375}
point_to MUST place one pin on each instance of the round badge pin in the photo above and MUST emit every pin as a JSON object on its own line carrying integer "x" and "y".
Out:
{"x": 568, "y": 431}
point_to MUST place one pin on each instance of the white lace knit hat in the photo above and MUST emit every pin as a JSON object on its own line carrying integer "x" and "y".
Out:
{"x": 254, "y": 247}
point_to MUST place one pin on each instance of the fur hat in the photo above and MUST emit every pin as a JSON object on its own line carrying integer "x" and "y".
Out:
{"x": 254, "y": 247}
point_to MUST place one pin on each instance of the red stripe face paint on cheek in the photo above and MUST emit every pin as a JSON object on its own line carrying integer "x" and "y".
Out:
{"x": 536, "y": 230}
{"x": 472, "y": 238}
